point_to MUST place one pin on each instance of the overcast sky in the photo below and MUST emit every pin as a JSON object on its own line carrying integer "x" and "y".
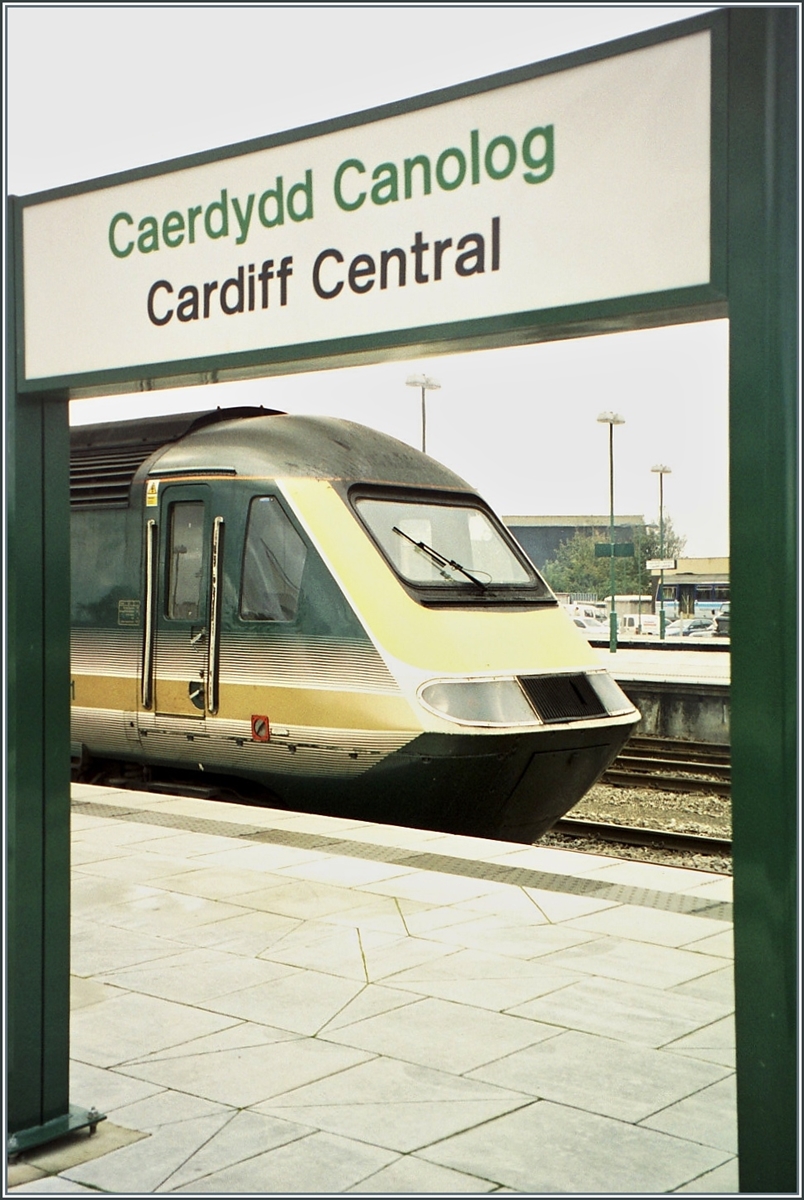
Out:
{"x": 94, "y": 90}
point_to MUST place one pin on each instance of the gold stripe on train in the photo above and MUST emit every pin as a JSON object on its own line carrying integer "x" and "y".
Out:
{"x": 315, "y": 707}
{"x": 115, "y": 693}
{"x": 285, "y": 705}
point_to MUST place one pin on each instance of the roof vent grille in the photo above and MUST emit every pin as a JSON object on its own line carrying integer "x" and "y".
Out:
{"x": 102, "y": 478}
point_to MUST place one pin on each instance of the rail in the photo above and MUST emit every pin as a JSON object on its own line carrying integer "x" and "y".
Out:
{"x": 657, "y": 839}
{"x": 672, "y": 765}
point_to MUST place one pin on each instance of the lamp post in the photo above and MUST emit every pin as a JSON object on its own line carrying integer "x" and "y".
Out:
{"x": 661, "y": 470}
{"x": 427, "y": 385}
{"x": 639, "y": 579}
{"x": 611, "y": 419}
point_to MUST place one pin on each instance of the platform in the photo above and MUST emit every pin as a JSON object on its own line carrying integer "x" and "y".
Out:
{"x": 276, "y": 1002}
{"x": 648, "y": 663}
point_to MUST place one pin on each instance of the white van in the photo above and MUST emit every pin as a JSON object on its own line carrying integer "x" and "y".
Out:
{"x": 632, "y": 623}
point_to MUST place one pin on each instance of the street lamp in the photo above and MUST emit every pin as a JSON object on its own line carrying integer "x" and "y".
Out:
{"x": 427, "y": 385}
{"x": 661, "y": 470}
{"x": 611, "y": 419}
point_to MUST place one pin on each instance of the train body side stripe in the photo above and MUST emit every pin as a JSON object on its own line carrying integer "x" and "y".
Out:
{"x": 283, "y": 705}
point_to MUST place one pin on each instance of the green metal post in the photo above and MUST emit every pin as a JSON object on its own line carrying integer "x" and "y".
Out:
{"x": 640, "y": 581}
{"x": 763, "y": 164}
{"x": 37, "y": 751}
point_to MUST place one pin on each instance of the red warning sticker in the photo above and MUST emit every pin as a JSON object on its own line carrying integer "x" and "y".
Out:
{"x": 260, "y": 729}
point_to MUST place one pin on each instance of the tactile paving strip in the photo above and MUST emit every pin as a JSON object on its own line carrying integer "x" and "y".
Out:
{"x": 423, "y": 860}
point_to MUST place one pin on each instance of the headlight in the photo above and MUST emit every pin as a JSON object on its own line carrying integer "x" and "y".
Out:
{"x": 612, "y": 697}
{"x": 479, "y": 702}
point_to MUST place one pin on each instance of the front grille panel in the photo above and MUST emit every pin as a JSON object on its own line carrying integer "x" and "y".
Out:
{"x": 562, "y": 697}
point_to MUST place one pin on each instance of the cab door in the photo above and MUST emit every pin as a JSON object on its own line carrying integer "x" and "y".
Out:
{"x": 183, "y": 551}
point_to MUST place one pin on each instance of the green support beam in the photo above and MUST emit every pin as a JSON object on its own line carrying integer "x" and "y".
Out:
{"x": 37, "y": 455}
{"x": 763, "y": 309}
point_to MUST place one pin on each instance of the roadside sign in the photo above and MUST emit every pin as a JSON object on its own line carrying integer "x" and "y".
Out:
{"x": 661, "y": 564}
{"x": 617, "y": 550}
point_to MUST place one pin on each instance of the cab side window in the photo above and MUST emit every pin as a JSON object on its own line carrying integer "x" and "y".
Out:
{"x": 185, "y": 560}
{"x": 273, "y": 562}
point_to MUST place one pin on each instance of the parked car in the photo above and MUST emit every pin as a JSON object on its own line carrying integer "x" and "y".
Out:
{"x": 580, "y": 608}
{"x": 691, "y": 627}
{"x": 591, "y": 627}
{"x": 709, "y": 631}
{"x": 722, "y": 620}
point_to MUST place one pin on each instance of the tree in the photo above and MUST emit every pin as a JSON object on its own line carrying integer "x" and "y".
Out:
{"x": 576, "y": 570}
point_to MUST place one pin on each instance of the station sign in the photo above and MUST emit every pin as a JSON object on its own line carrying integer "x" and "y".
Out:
{"x": 462, "y": 212}
{"x": 661, "y": 564}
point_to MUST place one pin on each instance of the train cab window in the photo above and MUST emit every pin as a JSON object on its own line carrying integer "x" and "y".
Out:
{"x": 273, "y": 562}
{"x": 447, "y": 550}
{"x": 185, "y": 560}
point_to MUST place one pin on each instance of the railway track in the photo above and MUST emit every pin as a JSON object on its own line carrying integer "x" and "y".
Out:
{"x": 662, "y": 800}
{"x": 654, "y": 839}
{"x": 672, "y": 765}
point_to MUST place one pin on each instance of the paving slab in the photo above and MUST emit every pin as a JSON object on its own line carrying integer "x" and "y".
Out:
{"x": 130, "y": 1024}
{"x": 320, "y": 1163}
{"x": 708, "y": 1116}
{"x": 600, "y": 1075}
{"x": 641, "y": 1015}
{"x": 494, "y": 981}
{"x": 547, "y": 1147}
{"x": 296, "y": 1000}
{"x": 393, "y": 1104}
{"x": 439, "y": 1033}
{"x": 244, "y": 1076}
{"x": 150, "y": 1161}
{"x": 412, "y": 1176}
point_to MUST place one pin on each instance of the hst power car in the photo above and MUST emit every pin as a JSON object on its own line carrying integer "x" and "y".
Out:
{"x": 316, "y": 608}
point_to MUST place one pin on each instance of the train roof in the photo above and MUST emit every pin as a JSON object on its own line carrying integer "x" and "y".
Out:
{"x": 255, "y": 442}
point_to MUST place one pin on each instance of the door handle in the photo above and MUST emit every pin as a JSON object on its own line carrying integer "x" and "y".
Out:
{"x": 215, "y": 596}
{"x": 148, "y": 627}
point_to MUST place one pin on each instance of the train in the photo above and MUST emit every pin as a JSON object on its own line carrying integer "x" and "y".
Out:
{"x": 327, "y": 616}
{"x": 693, "y": 595}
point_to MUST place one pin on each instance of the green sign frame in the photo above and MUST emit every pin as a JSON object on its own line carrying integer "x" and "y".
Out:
{"x": 707, "y": 301}
{"x": 753, "y": 281}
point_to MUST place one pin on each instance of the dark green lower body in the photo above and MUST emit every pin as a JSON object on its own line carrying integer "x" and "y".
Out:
{"x": 511, "y": 786}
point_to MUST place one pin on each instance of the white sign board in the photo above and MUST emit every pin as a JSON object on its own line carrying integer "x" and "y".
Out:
{"x": 660, "y": 564}
{"x": 569, "y": 188}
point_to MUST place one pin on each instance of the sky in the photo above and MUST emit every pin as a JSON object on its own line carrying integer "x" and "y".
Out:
{"x": 99, "y": 89}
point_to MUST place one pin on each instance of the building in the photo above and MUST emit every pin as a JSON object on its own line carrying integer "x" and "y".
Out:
{"x": 540, "y": 537}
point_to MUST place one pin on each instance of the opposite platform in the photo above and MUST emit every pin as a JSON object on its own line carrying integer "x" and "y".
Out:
{"x": 651, "y": 664}
{"x": 276, "y": 1002}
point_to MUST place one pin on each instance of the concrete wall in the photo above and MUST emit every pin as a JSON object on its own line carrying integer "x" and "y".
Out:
{"x": 689, "y": 711}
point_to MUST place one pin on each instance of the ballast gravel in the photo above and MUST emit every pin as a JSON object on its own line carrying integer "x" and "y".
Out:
{"x": 707, "y": 815}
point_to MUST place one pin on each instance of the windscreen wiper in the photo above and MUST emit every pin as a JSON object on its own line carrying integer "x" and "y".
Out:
{"x": 439, "y": 559}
